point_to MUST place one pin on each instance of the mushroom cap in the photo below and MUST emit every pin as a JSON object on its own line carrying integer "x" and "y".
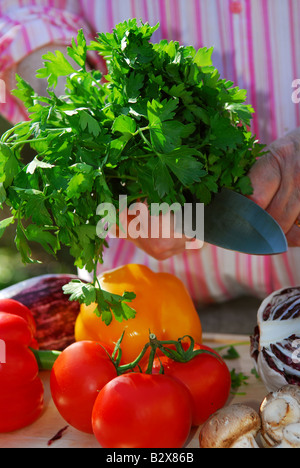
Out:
{"x": 286, "y": 392}
{"x": 277, "y": 410}
{"x": 227, "y": 425}
{"x": 291, "y": 435}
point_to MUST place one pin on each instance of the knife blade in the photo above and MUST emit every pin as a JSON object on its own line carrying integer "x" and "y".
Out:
{"x": 233, "y": 221}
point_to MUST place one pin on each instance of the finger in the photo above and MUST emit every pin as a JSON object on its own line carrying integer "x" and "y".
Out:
{"x": 276, "y": 191}
{"x": 293, "y": 236}
{"x": 285, "y": 206}
{"x": 161, "y": 249}
{"x": 265, "y": 177}
{"x": 167, "y": 248}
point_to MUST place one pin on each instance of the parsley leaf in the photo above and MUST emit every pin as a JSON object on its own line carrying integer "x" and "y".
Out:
{"x": 56, "y": 65}
{"x": 105, "y": 303}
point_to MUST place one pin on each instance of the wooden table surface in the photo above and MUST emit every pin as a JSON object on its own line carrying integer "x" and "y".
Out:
{"x": 50, "y": 422}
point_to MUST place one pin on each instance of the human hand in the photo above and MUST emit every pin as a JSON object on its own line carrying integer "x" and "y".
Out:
{"x": 157, "y": 235}
{"x": 276, "y": 182}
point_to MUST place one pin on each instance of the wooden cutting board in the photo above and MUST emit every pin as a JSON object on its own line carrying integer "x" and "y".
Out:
{"x": 50, "y": 422}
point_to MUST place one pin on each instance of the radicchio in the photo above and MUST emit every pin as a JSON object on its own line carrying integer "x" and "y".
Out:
{"x": 54, "y": 313}
{"x": 275, "y": 344}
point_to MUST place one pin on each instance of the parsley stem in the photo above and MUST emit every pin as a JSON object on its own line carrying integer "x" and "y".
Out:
{"x": 115, "y": 176}
{"x": 24, "y": 142}
{"x": 140, "y": 131}
{"x": 241, "y": 343}
{"x": 95, "y": 279}
{"x": 143, "y": 156}
{"x": 7, "y": 134}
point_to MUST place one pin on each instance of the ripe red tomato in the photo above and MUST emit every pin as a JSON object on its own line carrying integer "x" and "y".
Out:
{"x": 21, "y": 406}
{"x": 138, "y": 410}
{"x": 207, "y": 378}
{"x": 21, "y": 390}
{"x": 78, "y": 374}
{"x": 10, "y": 306}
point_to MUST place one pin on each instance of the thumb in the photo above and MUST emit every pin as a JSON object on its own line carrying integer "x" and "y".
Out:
{"x": 265, "y": 177}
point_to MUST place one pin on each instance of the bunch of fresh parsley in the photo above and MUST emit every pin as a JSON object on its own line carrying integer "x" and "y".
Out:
{"x": 161, "y": 126}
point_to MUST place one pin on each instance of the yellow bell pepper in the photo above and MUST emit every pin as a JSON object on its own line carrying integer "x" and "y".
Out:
{"x": 163, "y": 306}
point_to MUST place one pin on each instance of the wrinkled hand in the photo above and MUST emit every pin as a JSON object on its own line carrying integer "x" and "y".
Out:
{"x": 276, "y": 182}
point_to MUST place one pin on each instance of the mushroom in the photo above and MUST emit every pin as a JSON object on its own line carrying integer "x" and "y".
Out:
{"x": 291, "y": 436}
{"x": 278, "y": 410}
{"x": 235, "y": 426}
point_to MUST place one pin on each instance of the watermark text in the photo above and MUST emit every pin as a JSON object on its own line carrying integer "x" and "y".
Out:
{"x": 156, "y": 221}
{"x": 296, "y": 93}
{"x": 2, "y": 92}
{"x": 2, "y": 352}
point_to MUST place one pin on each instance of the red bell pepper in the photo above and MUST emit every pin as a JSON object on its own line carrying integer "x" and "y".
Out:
{"x": 21, "y": 390}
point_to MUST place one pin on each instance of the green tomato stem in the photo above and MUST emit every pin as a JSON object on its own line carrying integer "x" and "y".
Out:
{"x": 130, "y": 366}
{"x": 179, "y": 354}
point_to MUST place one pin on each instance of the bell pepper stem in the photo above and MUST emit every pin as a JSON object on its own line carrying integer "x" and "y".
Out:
{"x": 44, "y": 358}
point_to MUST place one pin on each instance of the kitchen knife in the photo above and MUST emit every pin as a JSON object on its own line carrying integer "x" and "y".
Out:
{"x": 233, "y": 221}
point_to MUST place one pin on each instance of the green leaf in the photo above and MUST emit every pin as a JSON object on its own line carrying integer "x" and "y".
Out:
{"x": 203, "y": 194}
{"x": 163, "y": 181}
{"x": 2, "y": 194}
{"x": 187, "y": 169}
{"x": 9, "y": 166}
{"x": 107, "y": 304}
{"x": 167, "y": 136}
{"x": 88, "y": 122}
{"x": 124, "y": 124}
{"x": 121, "y": 310}
{"x": 78, "y": 52}
{"x": 56, "y": 65}
{"x": 238, "y": 379}
{"x": 84, "y": 293}
{"x": 44, "y": 237}
{"x": 36, "y": 209}
{"x": 24, "y": 92}
{"x": 22, "y": 246}
{"x": 203, "y": 57}
{"x": 5, "y": 223}
{"x": 158, "y": 112}
{"x": 133, "y": 85}
{"x": 242, "y": 111}
{"x": 79, "y": 184}
{"x": 224, "y": 134}
{"x": 245, "y": 186}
